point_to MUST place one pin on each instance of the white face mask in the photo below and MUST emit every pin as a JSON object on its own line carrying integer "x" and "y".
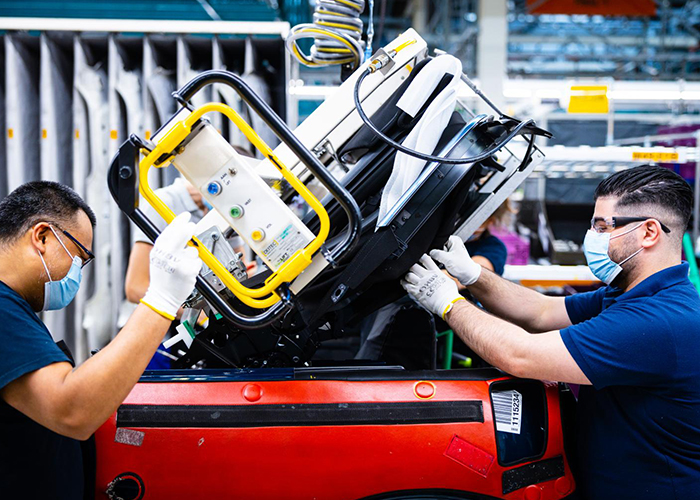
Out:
{"x": 596, "y": 246}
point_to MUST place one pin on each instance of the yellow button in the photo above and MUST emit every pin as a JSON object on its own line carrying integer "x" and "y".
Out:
{"x": 257, "y": 235}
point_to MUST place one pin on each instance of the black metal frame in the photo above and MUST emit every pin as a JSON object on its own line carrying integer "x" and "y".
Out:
{"x": 123, "y": 185}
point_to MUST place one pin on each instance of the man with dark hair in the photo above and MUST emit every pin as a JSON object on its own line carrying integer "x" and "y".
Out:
{"x": 633, "y": 345}
{"x": 47, "y": 406}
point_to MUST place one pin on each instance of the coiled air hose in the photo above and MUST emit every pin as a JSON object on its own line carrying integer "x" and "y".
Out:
{"x": 337, "y": 34}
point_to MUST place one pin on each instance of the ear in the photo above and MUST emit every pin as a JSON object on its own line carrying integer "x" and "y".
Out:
{"x": 652, "y": 233}
{"x": 38, "y": 234}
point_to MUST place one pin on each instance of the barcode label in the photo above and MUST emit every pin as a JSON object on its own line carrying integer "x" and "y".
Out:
{"x": 507, "y": 409}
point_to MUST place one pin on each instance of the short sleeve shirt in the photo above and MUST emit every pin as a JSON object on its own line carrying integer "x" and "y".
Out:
{"x": 35, "y": 462}
{"x": 639, "y": 423}
{"x": 178, "y": 199}
{"x": 491, "y": 248}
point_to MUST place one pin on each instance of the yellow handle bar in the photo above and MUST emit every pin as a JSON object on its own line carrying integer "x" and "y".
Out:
{"x": 292, "y": 267}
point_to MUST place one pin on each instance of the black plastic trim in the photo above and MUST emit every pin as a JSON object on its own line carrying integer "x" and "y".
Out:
{"x": 299, "y": 415}
{"x": 475, "y": 374}
{"x": 356, "y": 374}
{"x": 429, "y": 494}
{"x": 535, "y": 473}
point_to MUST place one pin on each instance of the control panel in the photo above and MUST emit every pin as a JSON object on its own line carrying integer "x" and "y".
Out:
{"x": 231, "y": 185}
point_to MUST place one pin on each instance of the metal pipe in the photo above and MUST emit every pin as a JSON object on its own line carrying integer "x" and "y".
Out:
{"x": 696, "y": 194}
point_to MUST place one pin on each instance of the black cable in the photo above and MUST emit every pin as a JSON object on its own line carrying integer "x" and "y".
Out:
{"x": 423, "y": 156}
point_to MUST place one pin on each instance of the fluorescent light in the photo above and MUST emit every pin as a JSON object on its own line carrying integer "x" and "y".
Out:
{"x": 548, "y": 93}
{"x": 517, "y": 93}
{"x": 313, "y": 90}
{"x": 645, "y": 95}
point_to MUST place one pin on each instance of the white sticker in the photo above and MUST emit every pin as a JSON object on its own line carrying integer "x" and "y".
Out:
{"x": 283, "y": 247}
{"x": 508, "y": 409}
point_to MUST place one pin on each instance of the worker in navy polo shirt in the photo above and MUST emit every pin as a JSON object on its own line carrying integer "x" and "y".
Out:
{"x": 47, "y": 406}
{"x": 634, "y": 345}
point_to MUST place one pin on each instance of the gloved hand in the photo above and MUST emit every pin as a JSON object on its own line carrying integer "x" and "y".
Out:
{"x": 457, "y": 261}
{"x": 173, "y": 269}
{"x": 429, "y": 286}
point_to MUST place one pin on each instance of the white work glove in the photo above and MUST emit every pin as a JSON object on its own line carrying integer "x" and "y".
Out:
{"x": 173, "y": 269}
{"x": 457, "y": 261}
{"x": 426, "y": 283}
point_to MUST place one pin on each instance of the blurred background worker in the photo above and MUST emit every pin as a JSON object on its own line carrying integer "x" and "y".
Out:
{"x": 486, "y": 249}
{"x": 46, "y": 405}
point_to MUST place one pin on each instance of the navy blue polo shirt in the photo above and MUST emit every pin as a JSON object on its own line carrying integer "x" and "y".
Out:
{"x": 491, "y": 248}
{"x": 35, "y": 462}
{"x": 638, "y": 425}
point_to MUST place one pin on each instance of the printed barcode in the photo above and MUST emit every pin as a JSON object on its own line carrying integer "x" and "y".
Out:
{"x": 507, "y": 410}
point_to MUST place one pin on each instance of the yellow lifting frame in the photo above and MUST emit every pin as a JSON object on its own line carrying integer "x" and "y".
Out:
{"x": 265, "y": 296}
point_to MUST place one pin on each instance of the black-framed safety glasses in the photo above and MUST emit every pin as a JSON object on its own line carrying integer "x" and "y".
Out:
{"x": 90, "y": 255}
{"x": 605, "y": 224}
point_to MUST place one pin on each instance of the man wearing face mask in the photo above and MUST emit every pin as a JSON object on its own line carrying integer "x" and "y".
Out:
{"x": 46, "y": 405}
{"x": 633, "y": 345}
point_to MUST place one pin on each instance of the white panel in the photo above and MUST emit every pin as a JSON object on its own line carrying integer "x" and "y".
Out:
{"x": 125, "y": 118}
{"x": 3, "y": 128}
{"x": 56, "y": 82}
{"x": 194, "y": 55}
{"x": 208, "y": 161}
{"x": 90, "y": 172}
{"x": 159, "y": 64}
{"x": 22, "y": 108}
{"x": 338, "y": 113}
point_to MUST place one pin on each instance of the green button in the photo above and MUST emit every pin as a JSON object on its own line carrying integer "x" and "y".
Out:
{"x": 236, "y": 211}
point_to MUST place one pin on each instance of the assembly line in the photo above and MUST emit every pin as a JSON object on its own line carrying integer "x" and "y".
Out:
{"x": 247, "y": 307}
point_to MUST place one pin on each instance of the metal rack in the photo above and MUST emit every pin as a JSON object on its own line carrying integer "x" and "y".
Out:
{"x": 75, "y": 88}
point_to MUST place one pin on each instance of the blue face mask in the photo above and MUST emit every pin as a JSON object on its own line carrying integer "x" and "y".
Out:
{"x": 58, "y": 294}
{"x": 595, "y": 247}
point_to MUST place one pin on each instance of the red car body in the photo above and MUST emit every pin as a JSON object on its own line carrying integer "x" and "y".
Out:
{"x": 329, "y": 434}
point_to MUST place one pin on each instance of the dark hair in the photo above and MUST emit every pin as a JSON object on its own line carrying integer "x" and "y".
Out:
{"x": 39, "y": 201}
{"x": 651, "y": 186}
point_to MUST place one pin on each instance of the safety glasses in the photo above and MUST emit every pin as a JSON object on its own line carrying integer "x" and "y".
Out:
{"x": 606, "y": 224}
{"x": 90, "y": 255}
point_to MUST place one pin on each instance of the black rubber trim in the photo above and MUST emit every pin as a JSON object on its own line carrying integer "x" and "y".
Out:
{"x": 352, "y": 374}
{"x": 300, "y": 415}
{"x": 475, "y": 374}
{"x": 534, "y": 473}
{"x": 429, "y": 494}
